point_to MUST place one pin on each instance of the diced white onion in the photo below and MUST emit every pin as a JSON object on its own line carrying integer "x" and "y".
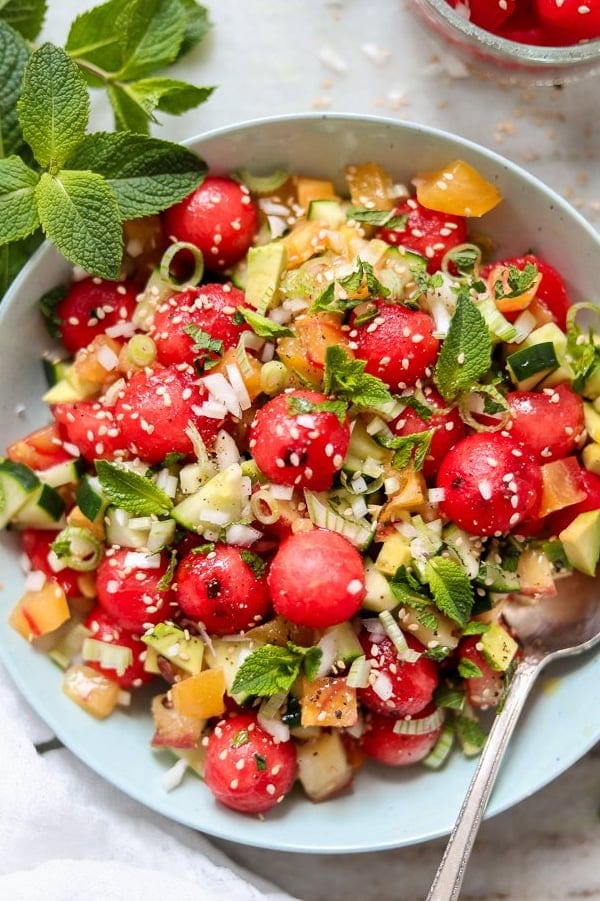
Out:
{"x": 122, "y": 329}
{"x": 382, "y": 686}
{"x": 253, "y": 341}
{"x": 273, "y": 725}
{"x": 238, "y": 385}
{"x": 107, "y": 358}
{"x": 167, "y": 482}
{"x": 271, "y": 208}
{"x": 281, "y": 492}
{"x": 35, "y": 580}
{"x": 55, "y": 563}
{"x": 211, "y": 409}
{"x": 226, "y": 450}
{"x": 436, "y": 495}
{"x": 268, "y": 352}
{"x": 241, "y": 535}
{"x": 138, "y": 560}
{"x": 173, "y": 776}
{"x": 222, "y": 392}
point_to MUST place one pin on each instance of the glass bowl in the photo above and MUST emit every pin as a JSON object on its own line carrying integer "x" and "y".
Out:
{"x": 506, "y": 60}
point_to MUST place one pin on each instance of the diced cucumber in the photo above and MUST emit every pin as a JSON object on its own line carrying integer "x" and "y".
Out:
{"x": 17, "y": 484}
{"x": 119, "y": 532}
{"x": 217, "y": 504}
{"x": 359, "y": 532}
{"x": 530, "y": 365}
{"x": 90, "y": 499}
{"x": 55, "y": 370}
{"x": 379, "y": 594}
{"x": 42, "y": 510}
{"x": 495, "y": 578}
{"x": 365, "y": 454}
{"x": 464, "y": 547}
{"x": 329, "y": 212}
{"x": 63, "y": 473}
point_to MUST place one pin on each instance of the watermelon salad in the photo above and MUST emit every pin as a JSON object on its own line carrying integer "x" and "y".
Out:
{"x": 296, "y": 460}
{"x": 546, "y": 23}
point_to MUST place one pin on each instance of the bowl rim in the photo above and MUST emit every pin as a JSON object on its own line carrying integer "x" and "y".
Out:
{"x": 540, "y": 55}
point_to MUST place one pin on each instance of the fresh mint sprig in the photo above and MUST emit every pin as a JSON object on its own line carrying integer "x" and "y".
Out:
{"x": 466, "y": 353}
{"x": 272, "y": 669}
{"x": 131, "y": 491}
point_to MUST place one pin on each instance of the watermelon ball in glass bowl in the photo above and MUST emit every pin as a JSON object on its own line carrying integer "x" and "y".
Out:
{"x": 524, "y": 41}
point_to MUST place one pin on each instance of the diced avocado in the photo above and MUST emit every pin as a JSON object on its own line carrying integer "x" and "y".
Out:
{"x": 184, "y": 651}
{"x": 265, "y": 266}
{"x": 329, "y": 212}
{"x": 529, "y": 365}
{"x": 70, "y": 389}
{"x": 395, "y": 552}
{"x": 581, "y": 541}
{"x": 592, "y": 422}
{"x": 54, "y": 370}
{"x": 229, "y": 655}
{"x": 379, "y": 594}
{"x": 498, "y": 647}
{"x": 591, "y": 458}
{"x": 215, "y": 505}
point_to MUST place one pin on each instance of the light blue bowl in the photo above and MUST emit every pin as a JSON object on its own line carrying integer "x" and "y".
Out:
{"x": 387, "y": 808}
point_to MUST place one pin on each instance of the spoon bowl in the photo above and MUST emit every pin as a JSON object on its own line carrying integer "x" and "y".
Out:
{"x": 559, "y": 626}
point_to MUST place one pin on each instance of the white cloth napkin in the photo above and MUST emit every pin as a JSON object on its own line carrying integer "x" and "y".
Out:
{"x": 66, "y": 834}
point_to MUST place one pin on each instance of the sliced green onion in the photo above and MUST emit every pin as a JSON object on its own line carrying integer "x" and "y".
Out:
{"x": 265, "y": 508}
{"x": 498, "y": 326}
{"x": 358, "y": 674}
{"x": 358, "y": 533}
{"x": 261, "y": 184}
{"x": 396, "y": 636}
{"x": 168, "y": 257}
{"x": 141, "y": 350}
{"x": 107, "y": 654}
{"x": 78, "y": 549}
{"x": 420, "y": 726}
{"x": 69, "y": 645}
{"x": 241, "y": 356}
{"x": 465, "y": 257}
{"x": 524, "y": 325}
{"x": 439, "y": 753}
{"x": 273, "y": 377}
{"x": 466, "y": 410}
{"x": 162, "y": 533}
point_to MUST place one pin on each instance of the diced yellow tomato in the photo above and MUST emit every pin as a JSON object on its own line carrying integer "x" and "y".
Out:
{"x": 370, "y": 186}
{"x": 173, "y": 729}
{"x": 562, "y": 485}
{"x": 98, "y": 363}
{"x": 91, "y": 690}
{"x": 40, "y": 612}
{"x": 511, "y": 304}
{"x": 39, "y": 450}
{"x": 304, "y": 241}
{"x": 309, "y": 189}
{"x": 200, "y": 696}
{"x": 293, "y": 356}
{"x": 328, "y": 701}
{"x": 457, "y": 189}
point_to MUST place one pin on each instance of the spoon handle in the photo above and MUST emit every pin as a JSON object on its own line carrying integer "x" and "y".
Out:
{"x": 448, "y": 879}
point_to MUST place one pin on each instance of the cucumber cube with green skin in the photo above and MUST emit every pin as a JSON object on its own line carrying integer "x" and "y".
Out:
{"x": 581, "y": 542}
{"x": 265, "y": 266}
{"x": 43, "y": 509}
{"x": 329, "y": 212}
{"x": 17, "y": 485}
{"x": 220, "y": 501}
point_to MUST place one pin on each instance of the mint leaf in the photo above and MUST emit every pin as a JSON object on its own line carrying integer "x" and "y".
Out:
{"x": 129, "y": 115}
{"x": 146, "y": 175}
{"x": 167, "y": 577}
{"x": 131, "y": 491}
{"x": 583, "y": 354}
{"x": 475, "y": 628}
{"x": 346, "y": 378}
{"x": 25, "y": 16}
{"x": 451, "y": 589}
{"x": 197, "y": 25}
{"x": 263, "y": 326}
{"x": 14, "y": 54}
{"x": 362, "y": 277}
{"x": 18, "y": 207}
{"x": 469, "y": 731}
{"x": 151, "y": 36}
{"x": 449, "y": 698}
{"x": 299, "y": 405}
{"x": 79, "y": 214}
{"x": 516, "y": 281}
{"x": 408, "y": 448}
{"x": 167, "y": 94}
{"x": 95, "y": 36}
{"x": 469, "y": 670}
{"x": 256, "y": 563}
{"x": 272, "y": 669}
{"x": 466, "y": 353}
{"x": 54, "y": 106}
{"x": 378, "y": 217}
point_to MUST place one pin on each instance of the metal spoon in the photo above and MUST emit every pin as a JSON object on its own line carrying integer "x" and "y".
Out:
{"x": 567, "y": 623}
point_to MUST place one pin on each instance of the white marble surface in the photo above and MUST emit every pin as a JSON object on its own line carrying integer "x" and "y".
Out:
{"x": 266, "y": 57}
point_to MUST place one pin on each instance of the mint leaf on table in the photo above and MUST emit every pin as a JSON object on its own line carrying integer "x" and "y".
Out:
{"x": 152, "y": 32}
{"x": 166, "y": 94}
{"x": 466, "y": 353}
{"x": 18, "y": 207}
{"x": 54, "y": 106}
{"x": 95, "y": 38}
{"x": 145, "y": 174}
{"x": 14, "y": 54}
{"x": 131, "y": 491}
{"x": 25, "y": 16}
{"x": 79, "y": 214}
{"x": 346, "y": 378}
{"x": 451, "y": 589}
{"x": 272, "y": 669}
{"x": 197, "y": 25}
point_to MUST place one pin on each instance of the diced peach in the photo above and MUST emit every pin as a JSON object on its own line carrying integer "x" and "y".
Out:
{"x": 370, "y": 186}
{"x": 410, "y": 494}
{"x": 40, "y": 612}
{"x": 457, "y": 189}
{"x": 173, "y": 729}
{"x": 318, "y": 331}
{"x": 97, "y": 364}
{"x": 323, "y": 766}
{"x": 292, "y": 354}
{"x": 304, "y": 241}
{"x": 562, "y": 485}
{"x": 536, "y": 577}
{"x": 328, "y": 701}
{"x": 309, "y": 189}
{"x": 200, "y": 696}
{"x": 91, "y": 690}
{"x": 76, "y": 518}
